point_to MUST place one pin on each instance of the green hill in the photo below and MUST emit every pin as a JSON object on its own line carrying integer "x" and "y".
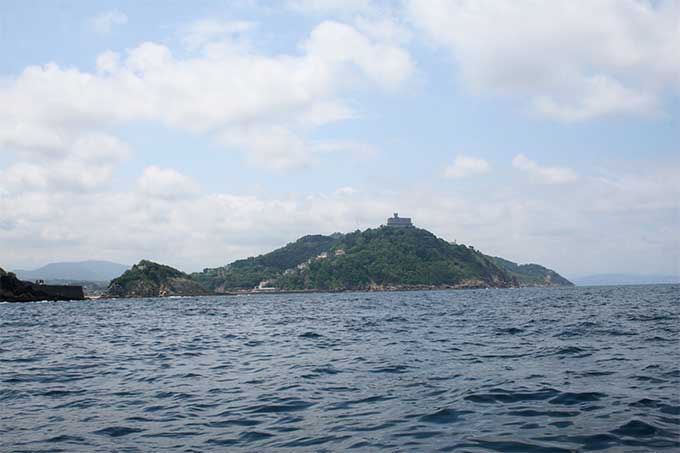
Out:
{"x": 379, "y": 258}
{"x": 384, "y": 258}
{"x": 532, "y": 274}
{"x": 374, "y": 259}
{"x": 248, "y": 273}
{"x": 149, "y": 279}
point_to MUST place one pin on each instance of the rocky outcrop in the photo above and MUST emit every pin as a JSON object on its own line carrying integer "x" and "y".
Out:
{"x": 149, "y": 279}
{"x": 182, "y": 287}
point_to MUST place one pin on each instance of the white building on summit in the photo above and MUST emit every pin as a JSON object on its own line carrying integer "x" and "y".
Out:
{"x": 399, "y": 222}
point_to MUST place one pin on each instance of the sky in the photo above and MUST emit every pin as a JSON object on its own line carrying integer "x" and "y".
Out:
{"x": 197, "y": 133}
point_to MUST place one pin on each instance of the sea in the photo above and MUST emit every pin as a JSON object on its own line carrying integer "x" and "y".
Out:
{"x": 497, "y": 370}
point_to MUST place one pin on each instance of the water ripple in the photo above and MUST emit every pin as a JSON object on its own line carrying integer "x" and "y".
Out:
{"x": 525, "y": 370}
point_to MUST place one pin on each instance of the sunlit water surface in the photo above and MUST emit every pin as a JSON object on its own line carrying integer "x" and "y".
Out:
{"x": 542, "y": 370}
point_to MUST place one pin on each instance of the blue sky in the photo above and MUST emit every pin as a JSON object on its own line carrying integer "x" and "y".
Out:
{"x": 198, "y": 133}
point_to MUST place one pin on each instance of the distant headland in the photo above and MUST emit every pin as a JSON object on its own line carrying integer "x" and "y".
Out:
{"x": 395, "y": 256}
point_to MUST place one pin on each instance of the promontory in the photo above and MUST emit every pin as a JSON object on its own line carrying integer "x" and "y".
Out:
{"x": 395, "y": 256}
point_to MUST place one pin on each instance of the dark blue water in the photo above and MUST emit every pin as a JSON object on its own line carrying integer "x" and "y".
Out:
{"x": 538, "y": 370}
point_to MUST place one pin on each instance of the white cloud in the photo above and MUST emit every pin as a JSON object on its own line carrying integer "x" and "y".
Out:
{"x": 167, "y": 184}
{"x": 99, "y": 148}
{"x": 73, "y": 163}
{"x": 30, "y": 136}
{"x": 107, "y": 61}
{"x": 571, "y": 60}
{"x": 466, "y": 166}
{"x": 68, "y": 175}
{"x": 548, "y": 175}
{"x": 337, "y": 43}
{"x": 261, "y": 105}
{"x": 273, "y": 147}
{"x": 104, "y": 22}
{"x": 637, "y": 210}
{"x": 602, "y": 95}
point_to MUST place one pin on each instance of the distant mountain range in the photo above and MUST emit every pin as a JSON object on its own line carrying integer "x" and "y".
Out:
{"x": 81, "y": 271}
{"x": 625, "y": 279}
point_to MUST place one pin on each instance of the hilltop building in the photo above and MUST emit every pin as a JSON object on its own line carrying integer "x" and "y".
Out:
{"x": 399, "y": 222}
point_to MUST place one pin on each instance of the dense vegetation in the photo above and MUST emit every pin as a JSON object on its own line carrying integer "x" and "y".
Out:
{"x": 375, "y": 258}
{"x": 147, "y": 271}
{"x": 379, "y": 258}
{"x": 149, "y": 279}
{"x": 532, "y": 274}
{"x": 248, "y": 273}
{"x": 389, "y": 257}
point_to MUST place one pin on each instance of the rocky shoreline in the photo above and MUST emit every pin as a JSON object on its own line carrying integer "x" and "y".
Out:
{"x": 405, "y": 288}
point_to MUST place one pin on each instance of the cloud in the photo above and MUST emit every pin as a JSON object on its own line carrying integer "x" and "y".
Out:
{"x": 31, "y": 137}
{"x": 73, "y": 163}
{"x": 602, "y": 95}
{"x": 548, "y": 175}
{"x": 104, "y": 22}
{"x": 273, "y": 147}
{"x": 569, "y": 60}
{"x": 337, "y": 43}
{"x": 68, "y": 175}
{"x": 561, "y": 229}
{"x": 167, "y": 184}
{"x": 466, "y": 166}
{"x": 263, "y": 106}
